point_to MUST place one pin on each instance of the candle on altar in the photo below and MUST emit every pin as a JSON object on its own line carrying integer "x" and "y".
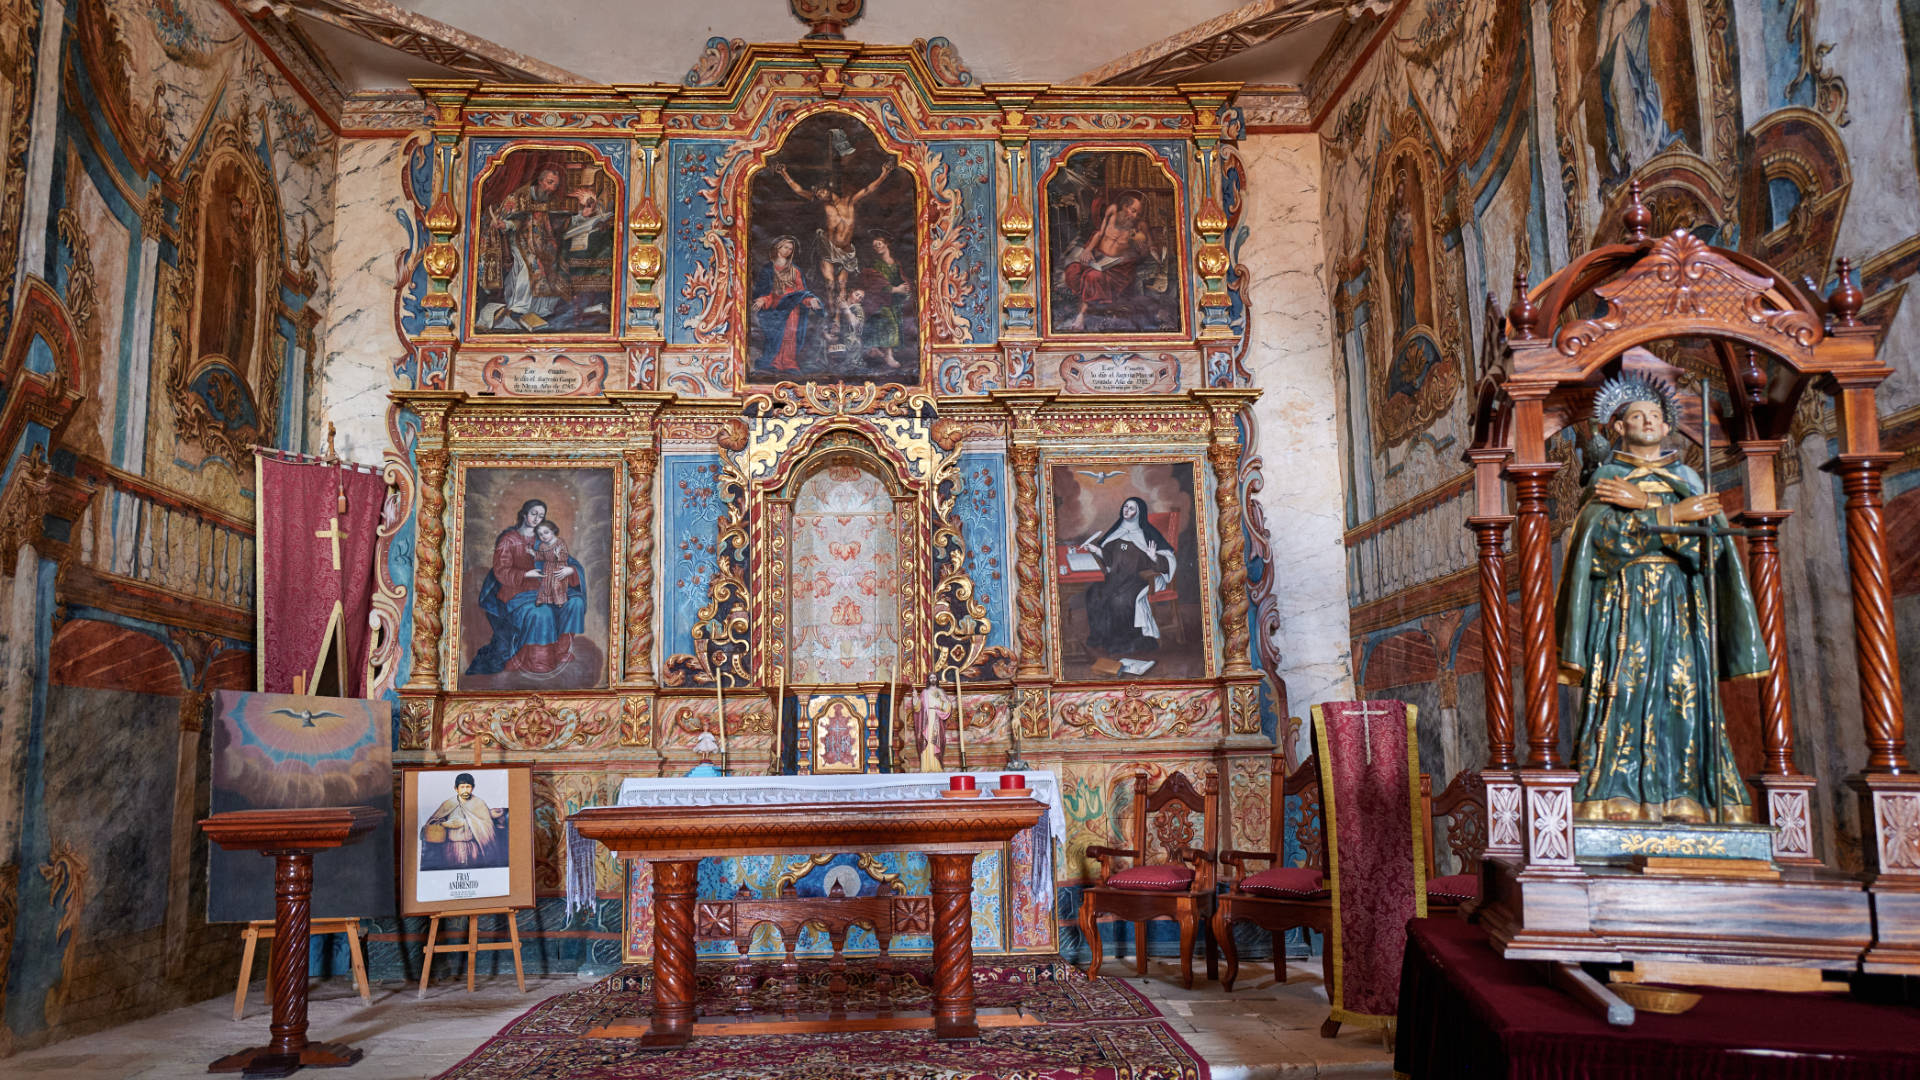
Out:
{"x": 779, "y": 719}
{"x": 720, "y": 707}
{"x": 893, "y": 689}
{"x": 960, "y": 713}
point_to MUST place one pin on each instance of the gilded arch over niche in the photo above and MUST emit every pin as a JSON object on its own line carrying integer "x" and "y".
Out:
{"x": 224, "y": 379}
{"x": 793, "y": 429}
{"x": 832, "y": 235}
{"x": 1414, "y": 370}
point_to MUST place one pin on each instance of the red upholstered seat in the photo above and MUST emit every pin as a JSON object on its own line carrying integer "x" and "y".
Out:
{"x": 1290, "y": 881}
{"x": 1153, "y": 878}
{"x": 1454, "y": 888}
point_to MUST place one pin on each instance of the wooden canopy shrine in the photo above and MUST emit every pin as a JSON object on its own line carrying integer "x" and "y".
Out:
{"x": 1774, "y": 340}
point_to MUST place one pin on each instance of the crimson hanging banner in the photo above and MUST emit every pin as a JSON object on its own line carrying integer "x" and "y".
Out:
{"x": 316, "y": 532}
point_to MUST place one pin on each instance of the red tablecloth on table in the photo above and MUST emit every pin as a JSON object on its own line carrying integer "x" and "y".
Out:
{"x": 1465, "y": 1011}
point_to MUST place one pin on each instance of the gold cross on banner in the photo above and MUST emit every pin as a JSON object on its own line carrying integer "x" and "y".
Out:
{"x": 335, "y": 533}
{"x": 1366, "y": 724}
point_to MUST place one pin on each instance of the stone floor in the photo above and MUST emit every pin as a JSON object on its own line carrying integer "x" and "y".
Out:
{"x": 1259, "y": 1032}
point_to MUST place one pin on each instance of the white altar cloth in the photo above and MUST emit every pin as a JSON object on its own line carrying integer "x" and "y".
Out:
{"x": 1044, "y": 785}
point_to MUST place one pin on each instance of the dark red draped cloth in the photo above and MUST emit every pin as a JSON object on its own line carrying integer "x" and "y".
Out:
{"x": 300, "y": 583}
{"x": 1465, "y": 1011}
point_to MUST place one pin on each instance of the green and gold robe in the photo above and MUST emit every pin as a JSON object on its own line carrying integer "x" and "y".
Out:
{"x": 1631, "y": 620}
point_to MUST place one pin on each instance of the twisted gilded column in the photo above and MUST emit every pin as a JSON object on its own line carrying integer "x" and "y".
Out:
{"x": 1025, "y": 461}
{"x": 1225, "y": 458}
{"x": 429, "y": 564}
{"x": 953, "y": 1015}
{"x": 639, "y": 655}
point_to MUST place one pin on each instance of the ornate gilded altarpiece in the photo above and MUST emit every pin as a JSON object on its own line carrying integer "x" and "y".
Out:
{"x": 800, "y": 309}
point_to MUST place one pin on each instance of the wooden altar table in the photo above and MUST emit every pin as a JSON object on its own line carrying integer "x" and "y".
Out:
{"x": 674, "y": 838}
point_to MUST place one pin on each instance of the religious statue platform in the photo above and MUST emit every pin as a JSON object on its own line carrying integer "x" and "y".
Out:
{"x": 1013, "y": 892}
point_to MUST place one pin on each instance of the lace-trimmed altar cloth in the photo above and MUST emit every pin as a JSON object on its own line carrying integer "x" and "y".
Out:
{"x": 1043, "y": 785}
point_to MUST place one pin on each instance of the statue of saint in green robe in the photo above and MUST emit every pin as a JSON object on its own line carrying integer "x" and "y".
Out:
{"x": 1632, "y": 620}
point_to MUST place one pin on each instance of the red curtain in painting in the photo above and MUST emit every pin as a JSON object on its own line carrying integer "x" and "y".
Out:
{"x": 306, "y": 570}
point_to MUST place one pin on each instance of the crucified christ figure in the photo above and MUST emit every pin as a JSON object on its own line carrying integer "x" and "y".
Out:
{"x": 838, "y": 260}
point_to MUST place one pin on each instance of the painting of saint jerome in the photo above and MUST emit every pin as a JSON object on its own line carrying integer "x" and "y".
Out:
{"x": 537, "y": 544}
{"x": 831, "y": 251}
{"x": 1113, "y": 261}
{"x": 545, "y": 243}
{"x": 1127, "y": 571}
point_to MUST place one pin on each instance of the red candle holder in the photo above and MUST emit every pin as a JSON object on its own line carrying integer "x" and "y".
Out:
{"x": 1012, "y": 780}
{"x": 960, "y": 783}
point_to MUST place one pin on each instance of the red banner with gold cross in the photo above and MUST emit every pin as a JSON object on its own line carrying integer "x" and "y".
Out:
{"x": 318, "y": 521}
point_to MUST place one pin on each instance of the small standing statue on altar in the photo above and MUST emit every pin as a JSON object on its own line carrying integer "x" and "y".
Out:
{"x": 930, "y": 731}
{"x": 1653, "y": 612}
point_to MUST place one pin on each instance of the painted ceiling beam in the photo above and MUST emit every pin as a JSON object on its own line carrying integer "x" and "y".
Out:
{"x": 417, "y": 35}
{"x": 1181, "y": 56}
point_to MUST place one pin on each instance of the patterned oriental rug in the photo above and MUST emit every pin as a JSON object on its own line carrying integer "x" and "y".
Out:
{"x": 1094, "y": 1029}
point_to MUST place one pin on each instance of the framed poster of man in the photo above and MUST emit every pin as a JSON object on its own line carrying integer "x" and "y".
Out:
{"x": 467, "y": 835}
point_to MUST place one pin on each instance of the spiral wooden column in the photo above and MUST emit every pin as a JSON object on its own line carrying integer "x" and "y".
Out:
{"x": 1880, "y": 700}
{"x": 1491, "y": 534}
{"x": 1776, "y": 703}
{"x": 674, "y": 883}
{"x": 1536, "y": 613}
{"x": 953, "y": 1016}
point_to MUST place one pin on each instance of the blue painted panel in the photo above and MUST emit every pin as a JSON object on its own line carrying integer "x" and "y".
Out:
{"x": 982, "y": 507}
{"x": 691, "y": 498}
{"x": 692, "y": 165}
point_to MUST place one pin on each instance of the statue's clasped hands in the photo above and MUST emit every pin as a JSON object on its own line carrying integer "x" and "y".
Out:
{"x": 1616, "y": 492}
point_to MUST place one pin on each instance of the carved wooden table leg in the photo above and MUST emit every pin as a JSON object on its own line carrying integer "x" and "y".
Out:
{"x": 953, "y": 945}
{"x": 288, "y": 1051}
{"x": 673, "y": 981}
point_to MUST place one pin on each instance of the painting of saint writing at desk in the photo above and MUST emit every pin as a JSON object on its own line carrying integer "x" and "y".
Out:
{"x": 1127, "y": 593}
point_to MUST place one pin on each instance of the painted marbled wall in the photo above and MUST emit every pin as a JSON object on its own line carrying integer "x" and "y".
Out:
{"x": 168, "y": 191}
{"x": 1487, "y": 137}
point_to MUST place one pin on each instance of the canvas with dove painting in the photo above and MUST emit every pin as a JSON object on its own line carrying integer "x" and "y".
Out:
{"x": 1127, "y": 590}
{"x": 287, "y": 751}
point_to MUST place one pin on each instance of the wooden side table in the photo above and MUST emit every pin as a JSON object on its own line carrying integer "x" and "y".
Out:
{"x": 290, "y": 837}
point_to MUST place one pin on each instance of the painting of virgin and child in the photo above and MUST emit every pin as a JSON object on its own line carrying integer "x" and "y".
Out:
{"x": 832, "y": 246}
{"x": 536, "y": 595}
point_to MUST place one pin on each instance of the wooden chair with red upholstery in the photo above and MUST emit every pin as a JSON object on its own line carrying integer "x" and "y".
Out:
{"x": 1181, "y": 890}
{"x": 1464, "y": 805}
{"x": 1279, "y": 898}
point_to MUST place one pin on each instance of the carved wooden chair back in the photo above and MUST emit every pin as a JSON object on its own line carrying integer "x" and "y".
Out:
{"x": 1163, "y": 821}
{"x": 1464, "y": 804}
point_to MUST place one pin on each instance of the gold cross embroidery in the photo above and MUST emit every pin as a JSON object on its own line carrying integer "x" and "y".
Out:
{"x": 334, "y": 533}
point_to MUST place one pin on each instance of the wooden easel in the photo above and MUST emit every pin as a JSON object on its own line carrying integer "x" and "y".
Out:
{"x": 260, "y": 929}
{"x": 473, "y": 946}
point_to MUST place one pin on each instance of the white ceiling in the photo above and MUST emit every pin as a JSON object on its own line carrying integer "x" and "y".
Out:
{"x": 620, "y": 41}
